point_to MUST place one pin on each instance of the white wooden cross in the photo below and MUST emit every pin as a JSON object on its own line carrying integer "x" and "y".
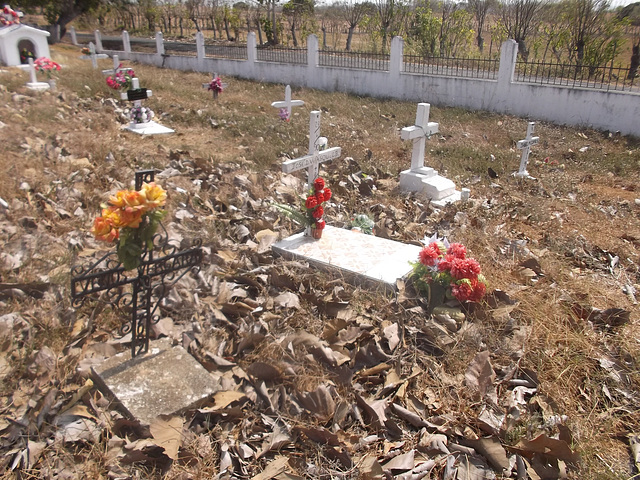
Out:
{"x": 312, "y": 160}
{"x": 288, "y": 103}
{"x": 525, "y": 145}
{"x": 419, "y": 133}
{"x": 93, "y": 56}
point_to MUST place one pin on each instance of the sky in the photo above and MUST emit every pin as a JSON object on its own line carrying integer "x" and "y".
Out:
{"x": 621, "y": 3}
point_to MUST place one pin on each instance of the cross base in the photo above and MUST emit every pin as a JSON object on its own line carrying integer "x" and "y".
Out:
{"x": 523, "y": 174}
{"x": 167, "y": 380}
{"x": 38, "y": 86}
{"x": 148, "y": 128}
{"x": 426, "y": 181}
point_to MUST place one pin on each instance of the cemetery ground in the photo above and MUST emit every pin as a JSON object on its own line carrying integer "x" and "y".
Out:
{"x": 321, "y": 379}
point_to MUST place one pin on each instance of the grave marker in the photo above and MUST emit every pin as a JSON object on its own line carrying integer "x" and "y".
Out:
{"x": 213, "y": 90}
{"x": 93, "y": 56}
{"x": 421, "y": 179}
{"x": 141, "y": 117}
{"x": 117, "y": 67}
{"x": 287, "y": 104}
{"x": 33, "y": 83}
{"x": 312, "y": 160}
{"x": 159, "y": 270}
{"x": 525, "y": 145}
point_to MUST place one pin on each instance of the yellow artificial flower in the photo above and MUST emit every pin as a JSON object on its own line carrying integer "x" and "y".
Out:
{"x": 156, "y": 195}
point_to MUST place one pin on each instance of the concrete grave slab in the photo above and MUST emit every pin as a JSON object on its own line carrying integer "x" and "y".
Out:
{"x": 149, "y": 128}
{"x": 167, "y": 380}
{"x": 361, "y": 259}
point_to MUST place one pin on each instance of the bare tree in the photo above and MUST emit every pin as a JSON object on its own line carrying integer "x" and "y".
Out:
{"x": 584, "y": 20}
{"x": 391, "y": 13}
{"x": 352, "y": 13}
{"x": 519, "y": 18}
{"x": 479, "y": 10}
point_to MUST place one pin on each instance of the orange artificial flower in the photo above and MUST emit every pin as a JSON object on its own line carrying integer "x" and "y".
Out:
{"x": 103, "y": 229}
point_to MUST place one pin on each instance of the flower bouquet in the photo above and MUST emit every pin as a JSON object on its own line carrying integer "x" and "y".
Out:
{"x": 46, "y": 65}
{"x": 444, "y": 272}
{"x": 313, "y": 211}
{"x": 25, "y": 55}
{"x": 122, "y": 79}
{"x": 215, "y": 86}
{"x": 85, "y": 51}
{"x": 8, "y": 16}
{"x": 284, "y": 114}
{"x": 362, "y": 223}
{"x": 131, "y": 219}
{"x": 140, "y": 114}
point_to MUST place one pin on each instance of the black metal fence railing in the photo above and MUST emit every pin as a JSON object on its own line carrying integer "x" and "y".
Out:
{"x": 180, "y": 48}
{"x": 601, "y": 78}
{"x": 113, "y": 44}
{"x": 366, "y": 61}
{"x": 484, "y": 68}
{"x": 282, "y": 55}
{"x": 234, "y": 52}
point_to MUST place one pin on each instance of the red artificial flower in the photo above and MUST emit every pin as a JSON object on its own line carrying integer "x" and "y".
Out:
{"x": 320, "y": 197}
{"x": 318, "y": 212}
{"x": 318, "y": 184}
{"x": 429, "y": 254}
{"x": 327, "y": 194}
{"x": 445, "y": 262}
{"x": 464, "y": 268}
{"x": 469, "y": 290}
{"x": 457, "y": 250}
{"x": 312, "y": 202}
{"x": 320, "y": 224}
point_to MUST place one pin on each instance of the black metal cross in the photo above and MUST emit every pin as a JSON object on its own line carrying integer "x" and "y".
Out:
{"x": 140, "y": 290}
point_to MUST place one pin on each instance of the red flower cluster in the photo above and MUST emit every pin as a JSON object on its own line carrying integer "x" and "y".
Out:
{"x": 314, "y": 203}
{"x": 9, "y": 16}
{"x": 451, "y": 268}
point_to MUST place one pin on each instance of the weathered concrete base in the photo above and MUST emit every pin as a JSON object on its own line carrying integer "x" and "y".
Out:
{"x": 165, "y": 381}
{"x": 361, "y": 259}
{"x": 149, "y": 128}
{"x": 426, "y": 181}
{"x": 38, "y": 86}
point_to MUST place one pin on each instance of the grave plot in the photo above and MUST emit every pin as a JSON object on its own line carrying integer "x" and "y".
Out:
{"x": 362, "y": 259}
{"x": 142, "y": 121}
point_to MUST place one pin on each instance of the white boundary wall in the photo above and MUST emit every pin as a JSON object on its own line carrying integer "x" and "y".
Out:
{"x": 602, "y": 110}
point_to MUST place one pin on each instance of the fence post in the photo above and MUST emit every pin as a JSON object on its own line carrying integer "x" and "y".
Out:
{"x": 508, "y": 55}
{"x": 159, "y": 44}
{"x": 200, "y": 46}
{"x": 395, "y": 57}
{"x": 252, "y": 49}
{"x": 74, "y": 38}
{"x": 98, "y": 39}
{"x": 313, "y": 59}
{"x": 126, "y": 43}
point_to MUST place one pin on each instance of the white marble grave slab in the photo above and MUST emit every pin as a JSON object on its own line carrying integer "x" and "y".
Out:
{"x": 149, "y": 128}
{"x": 362, "y": 259}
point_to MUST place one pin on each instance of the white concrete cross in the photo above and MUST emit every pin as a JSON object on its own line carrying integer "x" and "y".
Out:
{"x": 419, "y": 133}
{"x": 116, "y": 67}
{"x": 288, "y": 103}
{"x": 33, "y": 83}
{"x": 525, "y": 145}
{"x": 93, "y": 56}
{"x": 135, "y": 85}
{"x": 312, "y": 160}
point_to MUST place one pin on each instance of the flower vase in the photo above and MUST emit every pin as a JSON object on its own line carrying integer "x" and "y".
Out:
{"x": 437, "y": 296}
{"x": 316, "y": 233}
{"x": 52, "y": 84}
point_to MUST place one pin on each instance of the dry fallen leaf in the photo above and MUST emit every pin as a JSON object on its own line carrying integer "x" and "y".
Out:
{"x": 168, "y": 435}
{"x": 480, "y": 375}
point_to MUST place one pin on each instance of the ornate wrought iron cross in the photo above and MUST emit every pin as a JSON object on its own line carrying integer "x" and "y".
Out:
{"x": 141, "y": 290}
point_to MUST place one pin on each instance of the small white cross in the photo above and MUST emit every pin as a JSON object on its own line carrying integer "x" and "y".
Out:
{"x": 288, "y": 103}
{"x": 419, "y": 133}
{"x": 34, "y": 84}
{"x": 312, "y": 160}
{"x": 116, "y": 67}
{"x": 93, "y": 56}
{"x": 135, "y": 84}
{"x": 525, "y": 145}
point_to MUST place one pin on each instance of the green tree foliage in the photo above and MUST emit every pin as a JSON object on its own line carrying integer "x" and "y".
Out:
{"x": 424, "y": 31}
{"x": 296, "y": 12}
{"x": 519, "y": 18}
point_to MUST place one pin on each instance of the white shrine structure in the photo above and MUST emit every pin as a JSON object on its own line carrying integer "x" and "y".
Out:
{"x": 420, "y": 179}
{"x": 16, "y": 38}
